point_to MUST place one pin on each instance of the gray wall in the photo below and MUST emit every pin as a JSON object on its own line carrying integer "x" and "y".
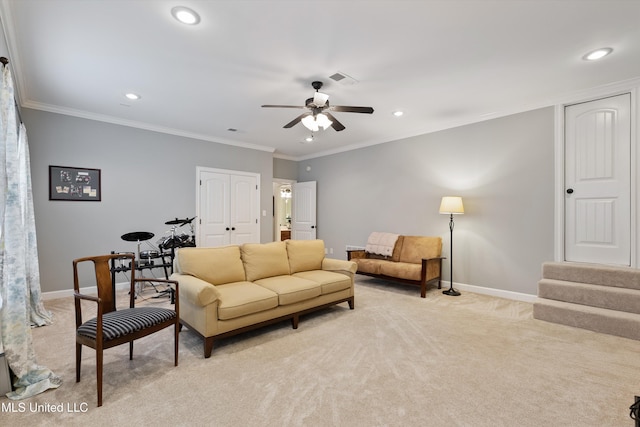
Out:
{"x": 148, "y": 178}
{"x": 503, "y": 169}
{"x": 285, "y": 169}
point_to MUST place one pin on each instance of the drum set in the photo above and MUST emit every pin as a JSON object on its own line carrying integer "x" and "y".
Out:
{"x": 162, "y": 255}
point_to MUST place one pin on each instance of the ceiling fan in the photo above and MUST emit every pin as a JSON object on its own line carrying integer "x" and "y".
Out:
{"x": 318, "y": 115}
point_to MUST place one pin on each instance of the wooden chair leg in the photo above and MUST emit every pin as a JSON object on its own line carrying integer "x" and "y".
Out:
{"x": 99, "y": 374}
{"x": 78, "y": 359}
{"x": 176, "y": 330}
{"x": 131, "y": 350}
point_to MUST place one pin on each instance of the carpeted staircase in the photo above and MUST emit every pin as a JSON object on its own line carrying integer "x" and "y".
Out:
{"x": 596, "y": 297}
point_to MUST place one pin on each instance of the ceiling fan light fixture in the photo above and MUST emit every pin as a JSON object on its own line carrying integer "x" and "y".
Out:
{"x": 185, "y": 15}
{"x": 315, "y": 123}
{"x": 323, "y": 121}
{"x": 310, "y": 123}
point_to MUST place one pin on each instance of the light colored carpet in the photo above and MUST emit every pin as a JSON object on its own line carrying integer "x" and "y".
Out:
{"x": 396, "y": 360}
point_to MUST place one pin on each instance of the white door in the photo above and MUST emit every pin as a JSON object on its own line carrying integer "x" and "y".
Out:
{"x": 227, "y": 207}
{"x": 598, "y": 181}
{"x": 303, "y": 211}
{"x": 244, "y": 209}
{"x": 213, "y": 210}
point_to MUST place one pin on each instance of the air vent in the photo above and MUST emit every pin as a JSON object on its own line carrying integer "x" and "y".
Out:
{"x": 343, "y": 79}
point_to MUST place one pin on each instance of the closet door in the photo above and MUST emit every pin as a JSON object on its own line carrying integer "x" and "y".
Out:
{"x": 243, "y": 209}
{"x": 214, "y": 210}
{"x": 227, "y": 207}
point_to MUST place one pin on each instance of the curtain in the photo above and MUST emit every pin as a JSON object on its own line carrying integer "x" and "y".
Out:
{"x": 20, "y": 299}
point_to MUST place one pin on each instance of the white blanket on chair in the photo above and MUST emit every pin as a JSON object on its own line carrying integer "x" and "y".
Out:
{"x": 381, "y": 243}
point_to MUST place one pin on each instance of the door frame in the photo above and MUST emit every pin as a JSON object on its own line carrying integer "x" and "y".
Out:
{"x": 631, "y": 87}
{"x": 277, "y": 182}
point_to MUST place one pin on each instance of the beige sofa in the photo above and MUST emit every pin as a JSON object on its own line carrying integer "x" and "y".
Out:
{"x": 228, "y": 290}
{"x": 415, "y": 260}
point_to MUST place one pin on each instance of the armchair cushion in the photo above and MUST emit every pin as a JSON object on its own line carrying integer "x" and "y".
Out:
{"x": 414, "y": 248}
{"x": 126, "y": 321}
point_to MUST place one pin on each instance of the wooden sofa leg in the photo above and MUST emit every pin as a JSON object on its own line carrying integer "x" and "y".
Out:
{"x": 294, "y": 321}
{"x": 423, "y": 290}
{"x": 351, "y": 303}
{"x": 208, "y": 347}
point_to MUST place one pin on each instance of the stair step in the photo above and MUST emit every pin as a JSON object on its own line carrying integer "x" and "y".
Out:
{"x": 603, "y": 275}
{"x": 595, "y": 319}
{"x": 612, "y": 298}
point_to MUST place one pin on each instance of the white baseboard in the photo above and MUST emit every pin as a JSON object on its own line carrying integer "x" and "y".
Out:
{"x": 500, "y": 293}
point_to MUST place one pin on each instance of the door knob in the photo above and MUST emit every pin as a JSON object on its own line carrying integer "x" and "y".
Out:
{"x": 233, "y": 228}
{"x": 569, "y": 190}
{"x": 313, "y": 226}
{"x": 227, "y": 228}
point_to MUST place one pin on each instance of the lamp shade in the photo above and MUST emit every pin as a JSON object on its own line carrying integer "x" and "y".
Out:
{"x": 451, "y": 205}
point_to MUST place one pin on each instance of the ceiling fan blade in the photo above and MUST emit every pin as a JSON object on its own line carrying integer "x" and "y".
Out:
{"x": 336, "y": 124}
{"x": 283, "y": 106}
{"x": 295, "y": 121}
{"x": 345, "y": 109}
{"x": 320, "y": 99}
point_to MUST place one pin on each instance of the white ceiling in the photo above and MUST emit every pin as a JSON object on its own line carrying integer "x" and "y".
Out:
{"x": 444, "y": 63}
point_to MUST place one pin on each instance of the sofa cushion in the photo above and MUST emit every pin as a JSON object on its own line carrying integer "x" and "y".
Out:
{"x": 264, "y": 260}
{"x": 305, "y": 255}
{"x": 291, "y": 289}
{"x": 214, "y": 265}
{"x": 414, "y": 248}
{"x": 366, "y": 265}
{"x": 242, "y": 298}
{"x": 401, "y": 270}
{"x": 329, "y": 281}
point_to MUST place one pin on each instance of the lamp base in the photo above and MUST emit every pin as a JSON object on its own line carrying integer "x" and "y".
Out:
{"x": 451, "y": 292}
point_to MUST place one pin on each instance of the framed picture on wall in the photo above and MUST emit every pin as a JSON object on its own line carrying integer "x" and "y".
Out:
{"x": 74, "y": 184}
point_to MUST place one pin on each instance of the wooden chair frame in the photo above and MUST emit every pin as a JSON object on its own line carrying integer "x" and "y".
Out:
{"x": 106, "y": 303}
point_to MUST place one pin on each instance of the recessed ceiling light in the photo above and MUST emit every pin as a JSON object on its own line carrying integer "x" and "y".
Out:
{"x": 398, "y": 113}
{"x": 185, "y": 15}
{"x": 597, "y": 54}
{"x": 132, "y": 96}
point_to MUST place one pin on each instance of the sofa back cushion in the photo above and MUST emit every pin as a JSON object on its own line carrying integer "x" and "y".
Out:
{"x": 305, "y": 255}
{"x": 414, "y": 248}
{"x": 214, "y": 265}
{"x": 264, "y": 260}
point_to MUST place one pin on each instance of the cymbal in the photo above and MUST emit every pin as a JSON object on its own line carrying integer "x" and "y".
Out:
{"x": 136, "y": 236}
{"x": 180, "y": 221}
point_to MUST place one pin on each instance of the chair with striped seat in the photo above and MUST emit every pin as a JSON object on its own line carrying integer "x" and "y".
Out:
{"x": 112, "y": 327}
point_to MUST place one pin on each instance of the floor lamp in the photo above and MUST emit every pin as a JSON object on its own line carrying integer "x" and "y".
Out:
{"x": 451, "y": 205}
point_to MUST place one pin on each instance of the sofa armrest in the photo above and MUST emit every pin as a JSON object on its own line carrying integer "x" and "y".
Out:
{"x": 196, "y": 291}
{"x": 356, "y": 253}
{"x": 341, "y": 265}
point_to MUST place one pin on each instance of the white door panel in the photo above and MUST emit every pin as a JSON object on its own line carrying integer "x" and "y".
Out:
{"x": 598, "y": 181}
{"x": 213, "y": 217}
{"x": 303, "y": 211}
